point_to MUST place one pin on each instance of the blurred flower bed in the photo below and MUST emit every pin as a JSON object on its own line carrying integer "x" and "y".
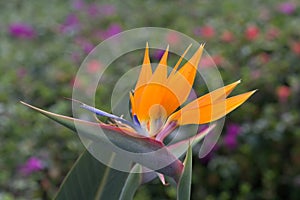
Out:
{"x": 43, "y": 45}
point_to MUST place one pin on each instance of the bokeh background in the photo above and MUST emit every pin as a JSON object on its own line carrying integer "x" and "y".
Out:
{"x": 43, "y": 43}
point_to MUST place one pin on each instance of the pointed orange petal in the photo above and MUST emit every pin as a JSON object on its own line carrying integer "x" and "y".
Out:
{"x": 161, "y": 71}
{"x": 152, "y": 93}
{"x": 180, "y": 60}
{"x": 144, "y": 77}
{"x": 190, "y": 68}
{"x": 206, "y": 113}
{"x": 181, "y": 83}
{"x": 146, "y": 71}
{"x": 213, "y": 96}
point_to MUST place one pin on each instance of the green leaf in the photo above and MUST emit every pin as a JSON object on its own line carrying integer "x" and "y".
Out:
{"x": 132, "y": 183}
{"x": 143, "y": 150}
{"x": 185, "y": 181}
{"x": 90, "y": 179}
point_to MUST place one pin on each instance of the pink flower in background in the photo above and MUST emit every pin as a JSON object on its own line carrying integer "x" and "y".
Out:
{"x": 287, "y": 8}
{"x": 70, "y": 24}
{"x": 76, "y": 83}
{"x": 256, "y": 74}
{"x": 252, "y": 32}
{"x": 33, "y": 164}
{"x": 283, "y": 93}
{"x": 22, "y": 31}
{"x": 227, "y": 36}
{"x": 172, "y": 38}
{"x": 93, "y": 66}
{"x": 295, "y": 47}
{"x": 218, "y": 59}
{"x": 21, "y": 72}
{"x": 205, "y": 31}
{"x": 230, "y": 138}
{"x": 264, "y": 58}
{"x": 264, "y": 14}
{"x": 272, "y": 33}
{"x": 207, "y": 61}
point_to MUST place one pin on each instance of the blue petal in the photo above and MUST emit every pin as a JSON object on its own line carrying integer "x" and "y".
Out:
{"x": 136, "y": 120}
{"x": 135, "y": 126}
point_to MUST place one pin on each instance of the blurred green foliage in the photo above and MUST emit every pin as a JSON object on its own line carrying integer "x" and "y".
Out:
{"x": 257, "y": 41}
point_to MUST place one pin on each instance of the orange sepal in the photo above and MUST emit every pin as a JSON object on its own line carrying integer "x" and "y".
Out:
{"x": 208, "y": 112}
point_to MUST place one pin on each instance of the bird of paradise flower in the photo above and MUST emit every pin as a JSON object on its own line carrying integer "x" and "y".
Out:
{"x": 156, "y": 113}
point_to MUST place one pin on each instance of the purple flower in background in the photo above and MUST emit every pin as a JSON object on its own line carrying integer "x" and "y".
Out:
{"x": 33, "y": 164}
{"x": 103, "y": 10}
{"x": 86, "y": 45}
{"x": 230, "y": 138}
{"x": 287, "y": 8}
{"x": 70, "y": 24}
{"x": 75, "y": 57}
{"x": 158, "y": 54}
{"x": 21, "y": 72}
{"x": 107, "y": 10}
{"x": 78, "y": 4}
{"x": 93, "y": 10}
{"x": 22, "y": 30}
{"x": 111, "y": 30}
